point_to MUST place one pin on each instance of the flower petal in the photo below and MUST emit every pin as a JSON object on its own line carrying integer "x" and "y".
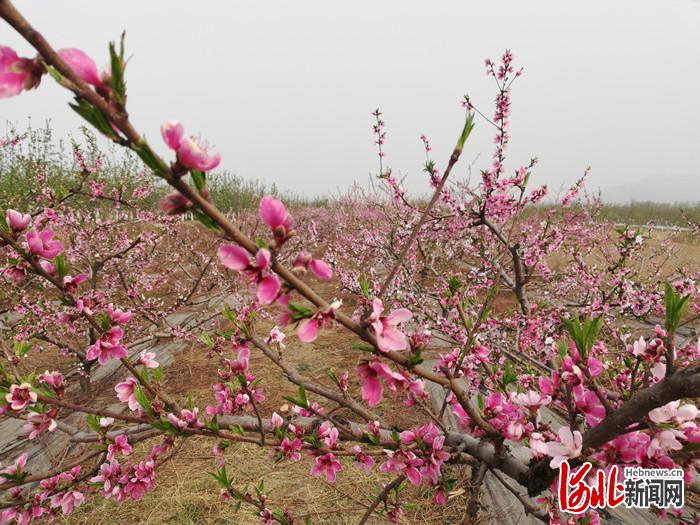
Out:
{"x": 172, "y": 132}
{"x": 320, "y": 269}
{"x": 268, "y": 289}
{"x": 308, "y": 330}
{"x": 272, "y": 211}
{"x": 233, "y": 257}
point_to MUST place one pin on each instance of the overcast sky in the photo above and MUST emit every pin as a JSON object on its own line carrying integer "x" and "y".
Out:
{"x": 284, "y": 89}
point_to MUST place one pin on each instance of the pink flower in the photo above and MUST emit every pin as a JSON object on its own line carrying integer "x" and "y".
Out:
{"x": 82, "y": 65}
{"x": 20, "y": 396}
{"x": 329, "y": 434}
{"x": 320, "y": 269}
{"x": 531, "y": 400}
{"x": 16, "y": 274}
{"x": 276, "y": 421}
{"x": 275, "y": 215}
{"x": 175, "y": 203}
{"x": 16, "y": 468}
{"x": 433, "y": 466}
{"x": 673, "y": 411}
{"x": 362, "y": 460}
{"x": 308, "y": 328}
{"x": 548, "y": 386}
{"x": 190, "y": 153}
{"x": 326, "y": 465}
{"x": 187, "y": 418}
{"x": 439, "y": 497}
{"x": 403, "y": 462}
{"x": 236, "y": 258}
{"x": 290, "y": 449}
{"x": 276, "y": 337}
{"x": 108, "y": 346}
{"x": 587, "y": 402}
{"x": 595, "y": 366}
{"x": 389, "y": 337}
{"x": 147, "y": 359}
{"x": 569, "y": 446}
{"x": 537, "y": 444}
{"x": 67, "y": 500}
{"x": 370, "y": 373}
{"x": 125, "y": 393}
{"x": 142, "y": 481}
{"x": 43, "y": 244}
{"x": 53, "y": 379}
{"x": 40, "y": 422}
{"x": 118, "y": 316}
{"x": 17, "y": 221}
{"x": 239, "y": 365}
{"x": 17, "y": 74}
{"x": 120, "y": 446}
{"x": 665, "y": 441}
{"x": 70, "y": 284}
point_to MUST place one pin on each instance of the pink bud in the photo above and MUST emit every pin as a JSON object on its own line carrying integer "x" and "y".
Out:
{"x": 320, "y": 269}
{"x": 17, "y": 221}
{"x": 17, "y": 73}
{"x": 272, "y": 212}
{"x": 81, "y": 64}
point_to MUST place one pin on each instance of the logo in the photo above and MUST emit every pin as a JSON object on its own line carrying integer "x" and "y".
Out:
{"x": 641, "y": 488}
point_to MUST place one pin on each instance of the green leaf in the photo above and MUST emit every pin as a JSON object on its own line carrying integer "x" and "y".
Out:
{"x": 562, "y": 348}
{"x": 93, "y": 422}
{"x": 222, "y": 477}
{"x": 238, "y": 429}
{"x": 61, "y": 265}
{"x": 299, "y": 311}
{"x": 21, "y": 348}
{"x": 104, "y": 320}
{"x": 454, "y": 284}
{"x": 302, "y": 396}
{"x": 158, "y": 374}
{"x": 199, "y": 179}
{"x": 415, "y": 358}
{"x": 466, "y": 131}
{"x": 363, "y": 347}
{"x": 301, "y": 401}
{"x": 143, "y": 400}
{"x": 167, "y": 427}
{"x": 3, "y": 223}
{"x": 510, "y": 375}
{"x": 117, "y": 71}
{"x": 228, "y": 313}
{"x": 364, "y": 285}
{"x": 90, "y": 113}
{"x": 207, "y": 340}
{"x": 331, "y": 373}
{"x": 584, "y": 335}
{"x": 205, "y": 219}
{"x": 58, "y": 77}
{"x": 150, "y": 159}
{"x": 675, "y": 305}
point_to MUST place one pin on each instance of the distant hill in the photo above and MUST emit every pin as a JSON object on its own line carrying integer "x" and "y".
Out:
{"x": 663, "y": 188}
